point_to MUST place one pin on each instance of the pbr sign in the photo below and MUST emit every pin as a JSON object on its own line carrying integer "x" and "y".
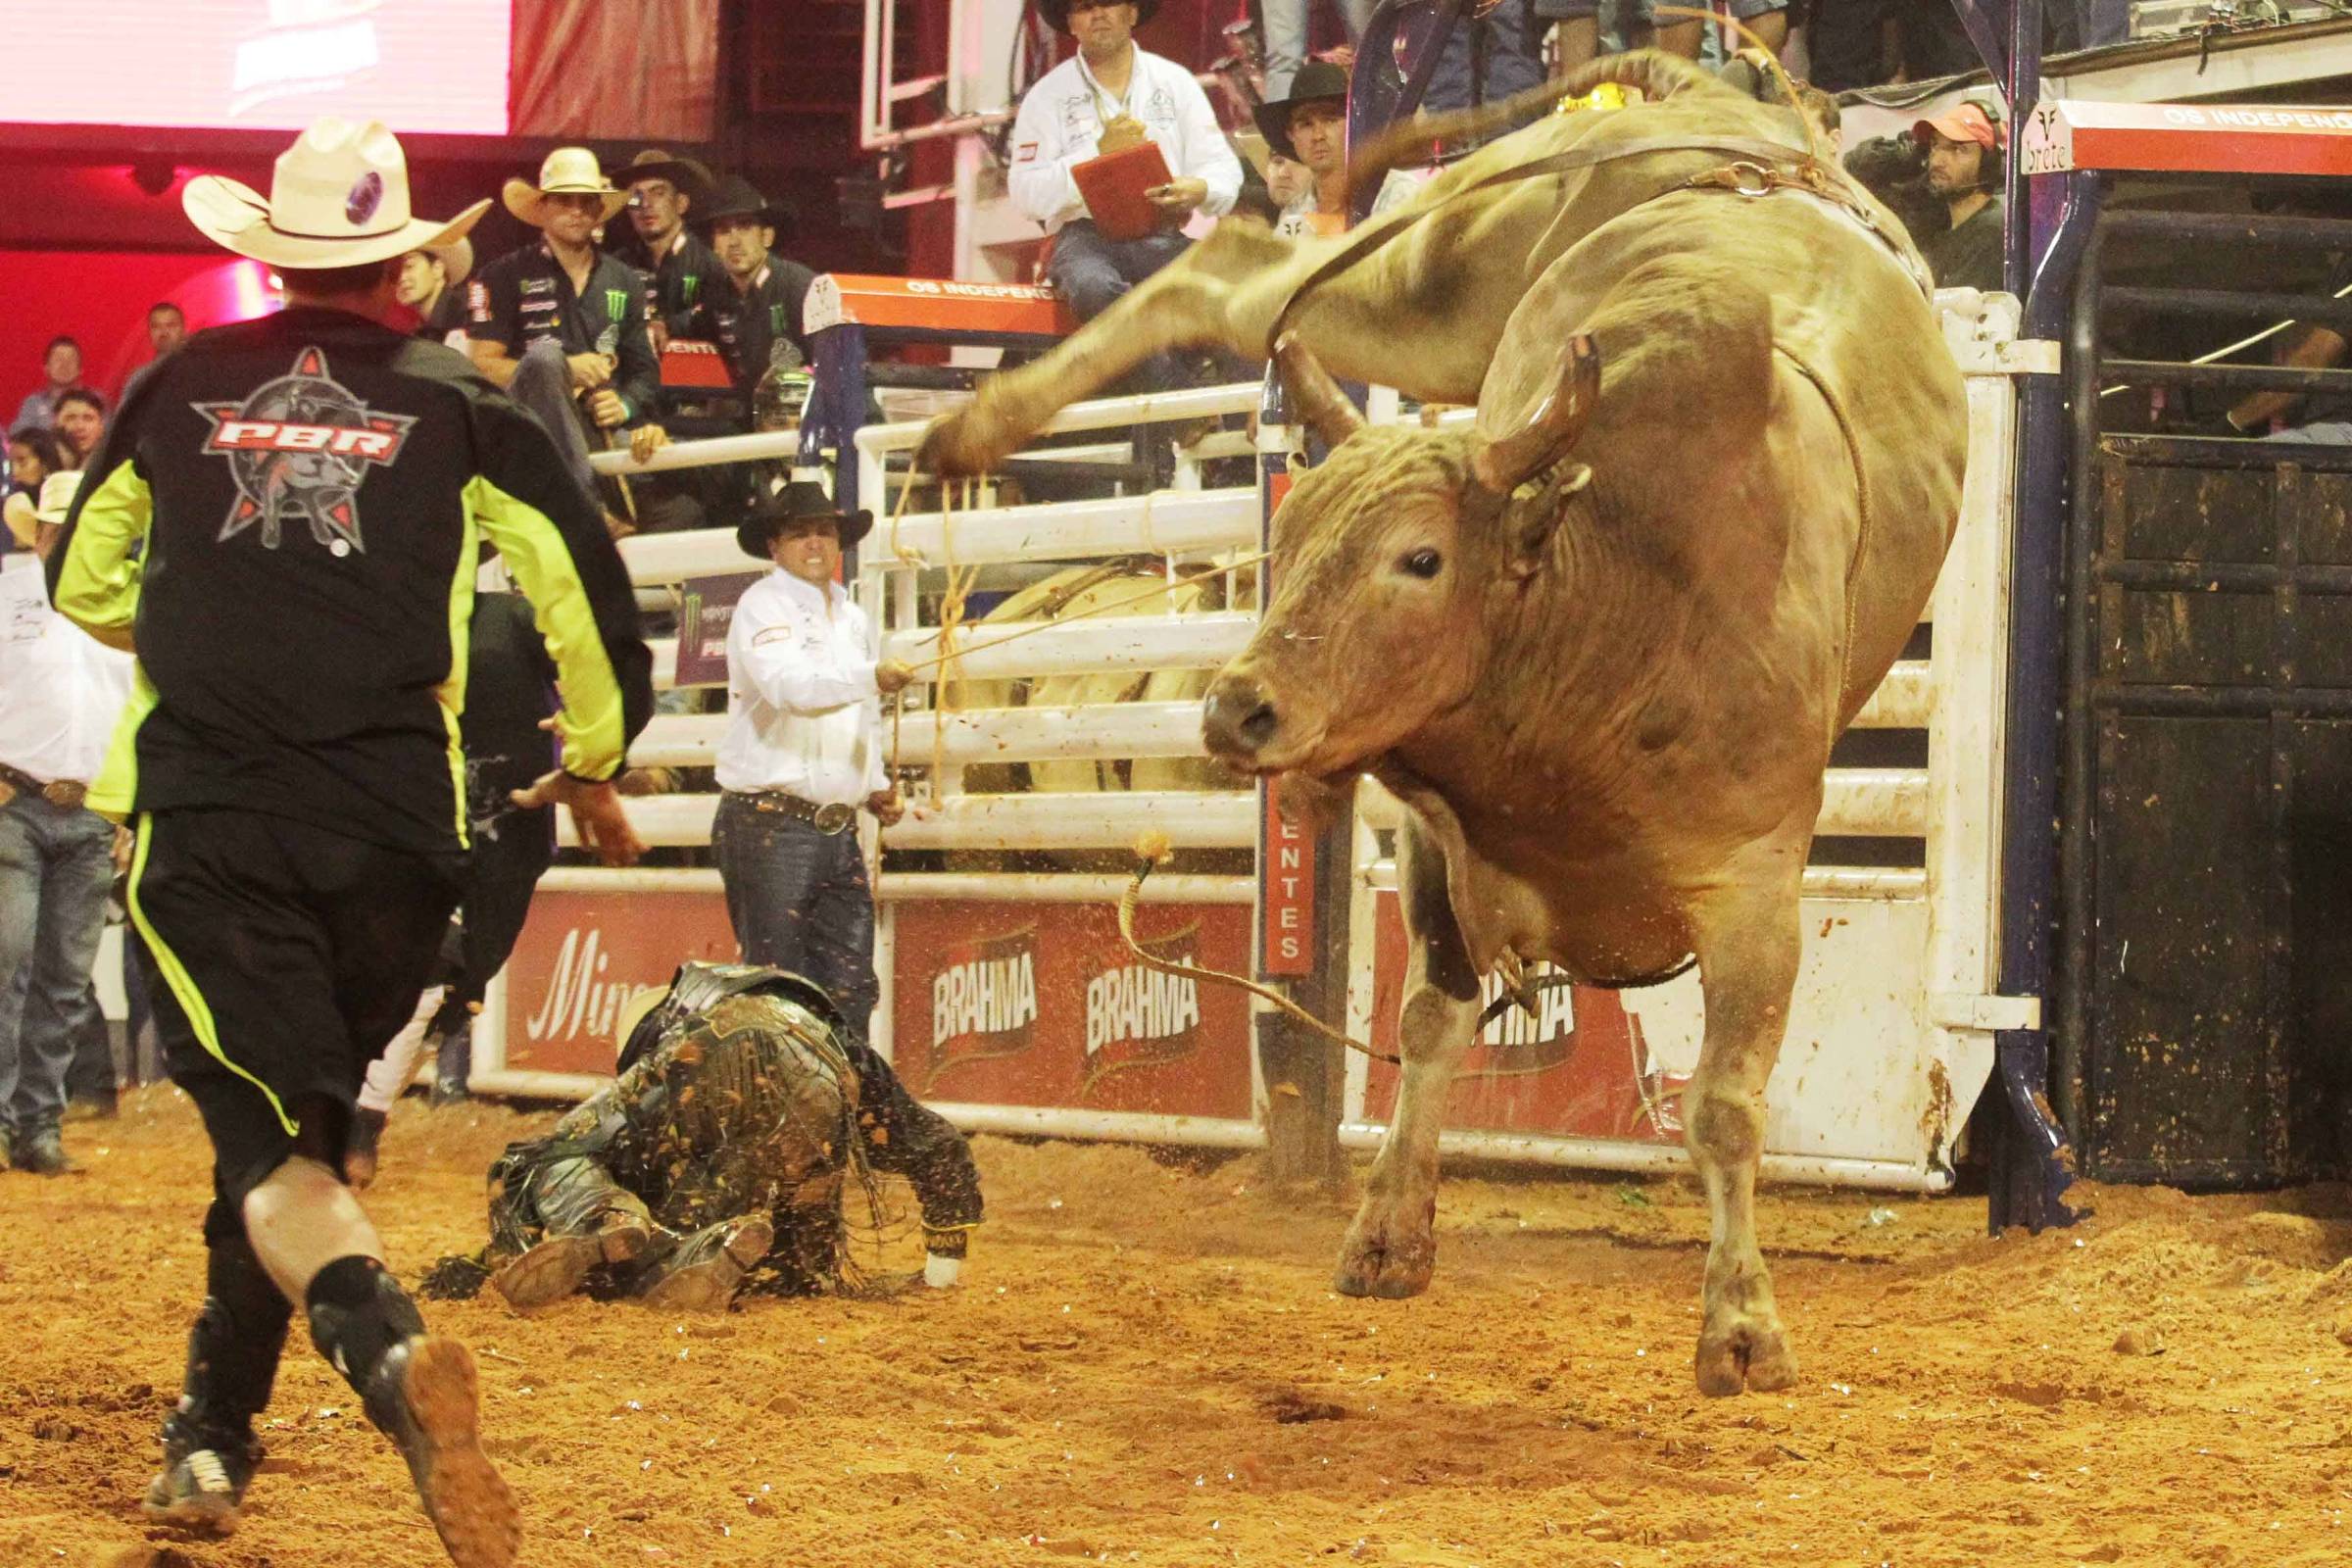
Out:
{"x": 1043, "y": 1004}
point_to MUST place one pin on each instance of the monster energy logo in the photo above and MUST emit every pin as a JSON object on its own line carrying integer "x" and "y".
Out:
{"x": 694, "y": 286}
{"x": 775, "y": 319}
{"x": 615, "y": 299}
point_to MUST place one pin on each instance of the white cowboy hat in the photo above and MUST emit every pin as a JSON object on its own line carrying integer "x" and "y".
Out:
{"x": 567, "y": 171}
{"x": 455, "y": 259}
{"x": 57, "y": 491}
{"x": 338, "y": 197}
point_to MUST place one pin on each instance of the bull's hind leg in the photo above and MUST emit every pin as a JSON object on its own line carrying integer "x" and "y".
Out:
{"x": 1186, "y": 303}
{"x": 1391, "y": 1248}
{"x": 1747, "y": 936}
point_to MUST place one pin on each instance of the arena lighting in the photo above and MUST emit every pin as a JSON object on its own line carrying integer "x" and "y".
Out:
{"x": 420, "y": 65}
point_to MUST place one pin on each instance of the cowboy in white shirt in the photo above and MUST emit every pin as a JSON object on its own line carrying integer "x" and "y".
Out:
{"x": 61, "y": 692}
{"x": 1108, "y": 97}
{"x": 804, "y": 753}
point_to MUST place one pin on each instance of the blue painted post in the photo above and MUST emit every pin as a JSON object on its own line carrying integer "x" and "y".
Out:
{"x": 2030, "y": 1167}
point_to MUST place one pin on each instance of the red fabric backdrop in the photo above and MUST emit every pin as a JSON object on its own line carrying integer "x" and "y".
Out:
{"x": 101, "y": 298}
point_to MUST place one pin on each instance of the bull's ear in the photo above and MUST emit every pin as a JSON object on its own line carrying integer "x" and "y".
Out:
{"x": 1535, "y": 517}
{"x": 1551, "y": 428}
{"x": 1315, "y": 397}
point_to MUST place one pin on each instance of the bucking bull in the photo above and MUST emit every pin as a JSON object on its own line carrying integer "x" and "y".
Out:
{"x": 1601, "y": 642}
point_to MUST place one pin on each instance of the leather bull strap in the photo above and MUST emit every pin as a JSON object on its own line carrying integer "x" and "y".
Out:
{"x": 1586, "y": 156}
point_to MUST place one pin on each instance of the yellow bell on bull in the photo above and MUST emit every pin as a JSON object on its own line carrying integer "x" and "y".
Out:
{"x": 1608, "y": 95}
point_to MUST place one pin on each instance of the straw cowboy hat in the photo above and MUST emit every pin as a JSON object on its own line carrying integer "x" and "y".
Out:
{"x": 455, "y": 259}
{"x": 687, "y": 175}
{"x": 771, "y": 508}
{"x": 338, "y": 197}
{"x": 57, "y": 491}
{"x": 567, "y": 171}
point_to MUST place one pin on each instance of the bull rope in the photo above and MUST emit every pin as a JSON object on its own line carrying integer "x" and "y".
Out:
{"x": 1150, "y": 851}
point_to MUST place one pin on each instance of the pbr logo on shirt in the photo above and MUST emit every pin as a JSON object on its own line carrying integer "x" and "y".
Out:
{"x": 300, "y": 447}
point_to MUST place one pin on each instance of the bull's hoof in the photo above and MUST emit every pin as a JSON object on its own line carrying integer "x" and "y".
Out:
{"x": 1376, "y": 1261}
{"x": 1750, "y": 1356}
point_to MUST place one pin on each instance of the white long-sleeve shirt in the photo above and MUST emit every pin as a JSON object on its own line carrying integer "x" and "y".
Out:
{"x": 61, "y": 690}
{"x": 804, "y": 714}
{"x": 1060, "y": 124}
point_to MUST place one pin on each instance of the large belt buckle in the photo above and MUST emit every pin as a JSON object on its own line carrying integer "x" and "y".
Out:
{"x": 65, "y": 793}
{"x": 833, "y": 817}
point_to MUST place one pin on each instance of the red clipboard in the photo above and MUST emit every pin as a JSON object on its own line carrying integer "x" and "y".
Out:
{"x": 1113, "y": 187}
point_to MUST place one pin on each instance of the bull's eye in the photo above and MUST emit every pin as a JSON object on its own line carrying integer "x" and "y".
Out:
{"x": 1423, "y": 563}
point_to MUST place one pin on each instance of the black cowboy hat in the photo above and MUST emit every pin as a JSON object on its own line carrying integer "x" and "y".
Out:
{"x": 772, "y": 507}
{"x": 1057, "y": 12}
{"x": 689, "y": 174}
{"x": 736, "y": 197}
{"x": 1318, "y": 82}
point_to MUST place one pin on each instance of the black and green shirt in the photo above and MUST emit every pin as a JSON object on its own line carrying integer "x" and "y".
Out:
{"x": 285, "y": 521}
{"x": 684, "y": 275}
{"x": 526, "y": 297}
{"x": 747, "y": 324}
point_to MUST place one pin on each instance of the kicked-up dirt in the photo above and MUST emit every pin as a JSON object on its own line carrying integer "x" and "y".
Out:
{"x": 1148, "y": 1365}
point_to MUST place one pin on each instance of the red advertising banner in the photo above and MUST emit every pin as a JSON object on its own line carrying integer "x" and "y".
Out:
{"x": 1286, "y": 883}
{"x": 1043, "y": 1004}
{"x": 1578, "y": 1069}
{"x": 582, "y": 956}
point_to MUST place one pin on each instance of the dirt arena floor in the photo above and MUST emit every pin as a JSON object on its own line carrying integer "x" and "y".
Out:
{"x": 1146, "y": 1366}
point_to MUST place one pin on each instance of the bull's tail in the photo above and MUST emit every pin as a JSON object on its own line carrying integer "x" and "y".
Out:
{"x": 1657, "y": 74}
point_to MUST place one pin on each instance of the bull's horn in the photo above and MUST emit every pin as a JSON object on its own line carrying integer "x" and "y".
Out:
{"x": 1504, "y": 464}
{"x": 1314, "y": 396}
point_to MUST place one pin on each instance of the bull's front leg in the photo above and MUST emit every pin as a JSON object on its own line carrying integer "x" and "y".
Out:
{"x": 1181, "y": 305}
{"x": 1391, "y": 1248}
{"x": 1748, "y": 939}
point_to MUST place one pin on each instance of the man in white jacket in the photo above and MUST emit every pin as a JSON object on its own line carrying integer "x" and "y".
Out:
{"x": 804, "y": 753}
{"x": 1107, "y": 98}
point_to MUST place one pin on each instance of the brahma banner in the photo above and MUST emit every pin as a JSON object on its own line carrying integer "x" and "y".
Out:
{"x": 582, "y": 956}
{"x": 1043, "y": 1004}
{"x": 1578, "y": 1068}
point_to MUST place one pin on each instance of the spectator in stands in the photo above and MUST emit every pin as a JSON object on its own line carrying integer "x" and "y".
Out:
{"x": 753, "y": 313}
{"x": 1307, "y": 133}
{"x": 560, "y": 325}
{"x": 1964, "y": 168}
{"x": 1285, "y": 36}
{"x": 430, "y": 282}
{"x": 1489, "y": 55}
{"x": 80, "y": 422}
{"x": 1576, "y": 28}
{"x": 666, "y": 196}
{"x": 1109, "y": 97}
{"x": 1866, "y": 43}
{"x": 804, "y": 752}
{"x": 33, "y": 455}
{"x": 61, "y": 365}
{"x": 166, "y": 328}
{"x": 57, "y": 856}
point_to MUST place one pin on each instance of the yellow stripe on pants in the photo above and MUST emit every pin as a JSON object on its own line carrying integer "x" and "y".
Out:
{"x": 175, "y": 975}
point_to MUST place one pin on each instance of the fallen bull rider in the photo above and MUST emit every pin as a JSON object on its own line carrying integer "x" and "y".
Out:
{"x": 744, "y": 1113}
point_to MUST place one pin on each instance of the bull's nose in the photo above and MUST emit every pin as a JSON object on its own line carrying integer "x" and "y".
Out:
{"x": 1237, "y": 719}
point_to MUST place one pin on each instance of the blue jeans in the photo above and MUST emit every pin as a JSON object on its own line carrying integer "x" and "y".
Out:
{"x": 1285, "y": 36}
{"x": 1092, "y": 273}
{"x": 543, "y": 384}
{"x": 56, "y": 864}
{"x": 798, "y": 899}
